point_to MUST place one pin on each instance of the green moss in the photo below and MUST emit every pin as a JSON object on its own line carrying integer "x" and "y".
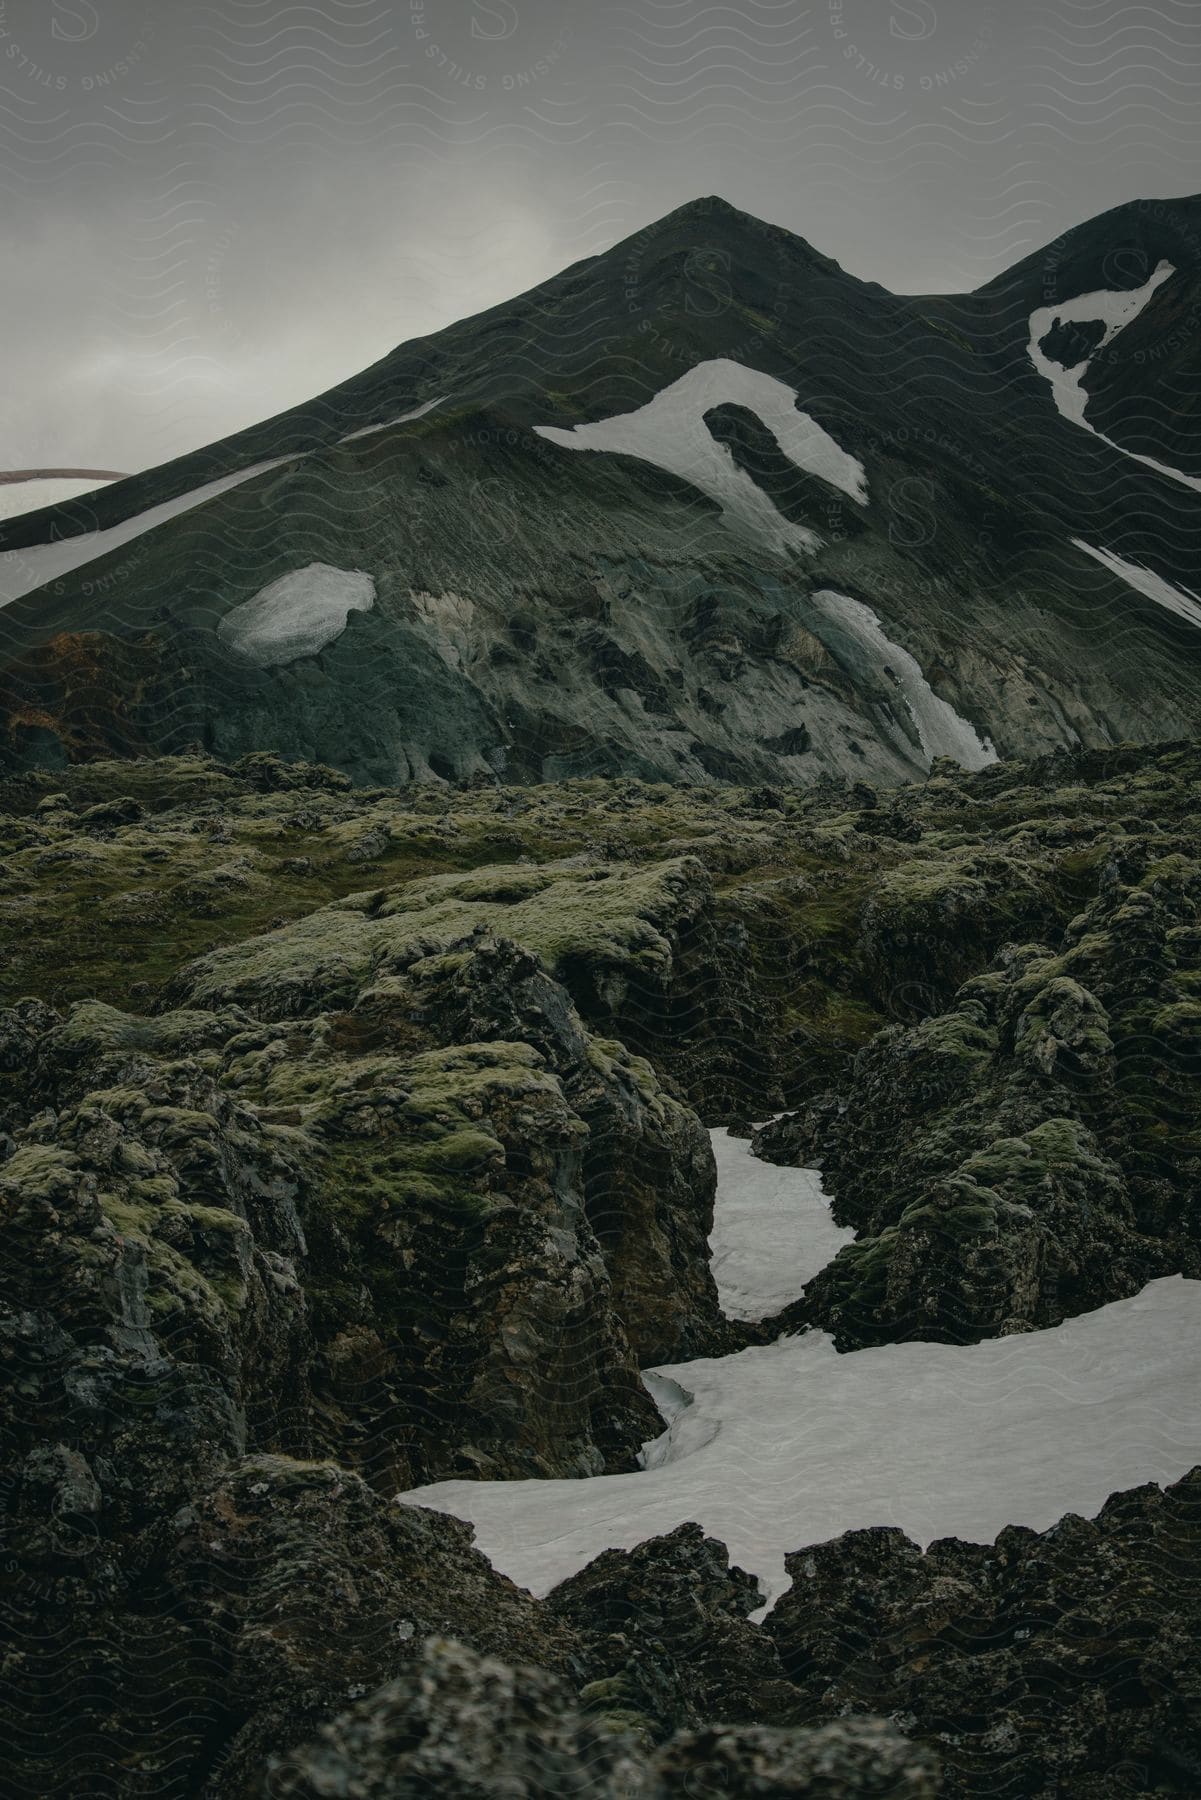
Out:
{"x": 956, "y": 1037}
{"x": 40, "y": 1172}
{"x": 174, "y": 1283}
{"x": 612, "y": 1060}
{"x": 129, "y": 1217}
{"x": 94, "y": 1026}
{"x": 858, "y": 1275}
{"x": 329, "y": 957}
{"x": 964, "y": 1209}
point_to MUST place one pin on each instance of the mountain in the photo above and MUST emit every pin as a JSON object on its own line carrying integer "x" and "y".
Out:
{"x": 705, "y": 507}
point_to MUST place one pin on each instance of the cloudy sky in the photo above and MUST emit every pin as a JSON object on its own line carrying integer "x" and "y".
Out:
{"x": 215, "y": 208}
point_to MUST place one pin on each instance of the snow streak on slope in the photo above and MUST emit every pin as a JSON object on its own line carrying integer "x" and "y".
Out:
{"x": 1114, "y": 309}
{"x": 23, "y": 570}
{"x": 1145, "y": 581}
{"x": 298, "y": 615}
{"x": 940, "y": 729}
{"x": 670, "y": 431}
{"x": 418, "y": 412}
{"x": 772, "y": 1231}
{"x": 793, "y": 1444}
{"x": 17, "y": 497}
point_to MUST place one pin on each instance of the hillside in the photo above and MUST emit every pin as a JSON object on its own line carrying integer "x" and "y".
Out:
{"x": 704, "y": 508}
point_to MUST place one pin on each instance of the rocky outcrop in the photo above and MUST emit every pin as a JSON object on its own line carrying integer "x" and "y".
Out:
{"x": 1031, "y": 1152}
{"x": 646, "y": 1164}
{"x": 152, "y": 1310}
{"x": 469, "y": 1727}
{"x": 1054, "y": 1663}
{"x": 177, "y": 1660}
{"x": 338, "y": 1240}
{"x": 342, "y": 1147}
{"x": 296, "y": 1588}
{"x": 668, "y": 1643}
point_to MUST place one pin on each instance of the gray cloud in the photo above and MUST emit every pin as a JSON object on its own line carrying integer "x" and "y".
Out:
{"x": 215, "y": 210}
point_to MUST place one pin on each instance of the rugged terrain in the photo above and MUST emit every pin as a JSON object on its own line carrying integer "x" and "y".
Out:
{"x": 703, "y": 508}
{"x": 352, "y": 1138}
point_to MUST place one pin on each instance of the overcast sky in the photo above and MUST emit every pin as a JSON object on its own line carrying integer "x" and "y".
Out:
{"x": 215, "y": 208}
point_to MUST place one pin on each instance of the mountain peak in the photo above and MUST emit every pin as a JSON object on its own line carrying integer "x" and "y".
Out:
{"x": 712, "y": 203}
{"x": 715, "y": 212}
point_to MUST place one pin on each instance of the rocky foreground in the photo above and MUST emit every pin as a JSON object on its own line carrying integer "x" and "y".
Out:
{"x": 353, "y": 1139}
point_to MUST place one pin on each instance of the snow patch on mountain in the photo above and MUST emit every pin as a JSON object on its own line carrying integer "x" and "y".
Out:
{"x": 1115, "y": 309}
{"x": 297, "y": 615}
{"x": 418, "y": 412}
{"x": 20, "y": 497}
{"x": 772, "y": 1230}
{"x": 940, "y": 729}
{"x": 670, "y": 431}
{"x": 1183, "y": 603}
{"x": 23, "y": 570}
{"x": 793, "y": 1444}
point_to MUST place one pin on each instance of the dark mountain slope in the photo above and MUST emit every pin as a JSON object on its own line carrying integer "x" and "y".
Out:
{"x": 896, "y": 581}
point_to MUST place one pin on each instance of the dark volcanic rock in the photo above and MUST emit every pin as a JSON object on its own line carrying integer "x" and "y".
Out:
{"x": 175, "y": 1663}
{"x": 471, "y": 1728}
{"x": 1058, "y": 1663}
{"x": 669, "y": 1642}
{"x": 391, "y": 1194}
{"x": 647, "y": 1165}
{"x": 1031, "y": 1152}
{"x": 848, "y": 1759}
{"x": 299, "y": 1245}
{"x": 299, "y": 1588}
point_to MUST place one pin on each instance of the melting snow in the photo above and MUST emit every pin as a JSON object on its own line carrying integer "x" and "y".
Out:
{"x": 941, "y": 731}
{"x": 418, "y": 412}
{"x": 298, "y": 615}
{"x": 772, "y": 1231}
{"x": 1183, "y": 603}
{"x": 670, "y": 431}
{"x": 1115, "y": 309}
{"x": 23, "y": 570}
{"x": 792, "y": 1444}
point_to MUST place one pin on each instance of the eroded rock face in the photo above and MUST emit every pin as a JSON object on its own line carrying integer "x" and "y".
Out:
{"x": 1052, "y": 1663}
{"x": 383, "y": 1252}
{"x": 1031, "y": 1152}
{"x": 176, "y": 1660}
{"x": 468, "y": 1727}
{"x": 647, "y": 1165}
{"x": 668, "y": 1639}
{"x": 471, "y": 1728}
{"x": 297, "y": 1589}
{"x": 151, "y": 1299}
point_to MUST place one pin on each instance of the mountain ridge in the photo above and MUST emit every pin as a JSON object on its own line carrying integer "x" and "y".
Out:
{"x": 697, "y": 604}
